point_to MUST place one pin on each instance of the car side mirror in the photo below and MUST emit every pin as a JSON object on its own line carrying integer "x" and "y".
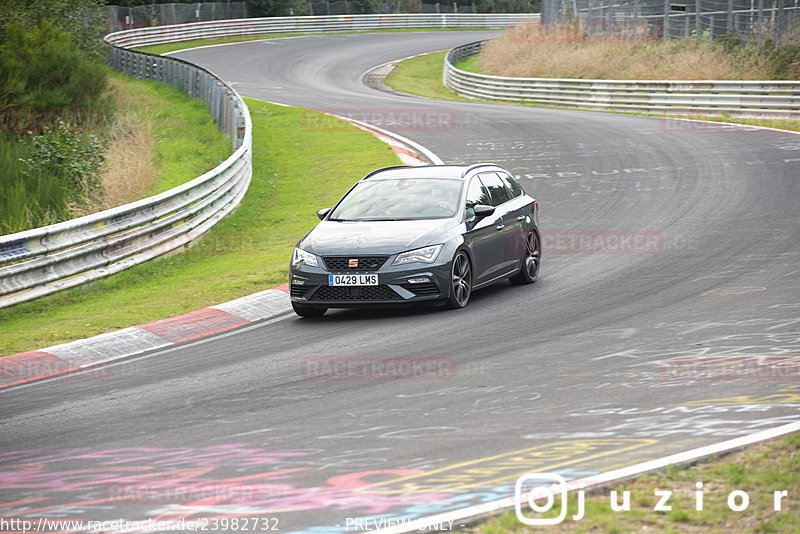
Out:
{"x": 482, "y": 210}
{"x": 323, "y": 213}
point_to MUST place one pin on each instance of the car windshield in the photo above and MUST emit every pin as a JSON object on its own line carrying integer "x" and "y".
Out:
{"x": 399, "y": 199}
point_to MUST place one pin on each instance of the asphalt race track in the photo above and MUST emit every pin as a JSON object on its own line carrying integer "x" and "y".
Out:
{"x": 671, "y": 252}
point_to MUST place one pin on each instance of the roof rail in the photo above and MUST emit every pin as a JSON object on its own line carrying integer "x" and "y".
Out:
{"x": 475, "y": 166}
{"x": 384, "y": 169}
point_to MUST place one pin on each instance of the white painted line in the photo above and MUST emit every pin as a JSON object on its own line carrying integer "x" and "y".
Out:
{"x": 274, "y": 103}
{"x": 458, "y": 517}
{"x": 731, "y": 125}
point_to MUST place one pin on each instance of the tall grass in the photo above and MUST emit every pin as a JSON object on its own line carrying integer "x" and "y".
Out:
{"x": 27, "y": 198}
{"x": 530, "y": 51}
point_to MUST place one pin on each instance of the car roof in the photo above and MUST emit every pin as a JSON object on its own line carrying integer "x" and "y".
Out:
{"x": 452, "y": 172}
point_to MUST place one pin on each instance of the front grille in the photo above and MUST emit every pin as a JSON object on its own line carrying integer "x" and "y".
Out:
{"x": 365, "y": 263}
{"x": 299, "y": 291}
{"x": 421, "y": 290}
{"x": 356, "y": 293}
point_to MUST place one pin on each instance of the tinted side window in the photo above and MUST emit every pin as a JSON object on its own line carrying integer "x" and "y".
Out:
{"x": 476, "y": 194}
{"x": 511, "y": 183}
{"x": 496, "y": 187}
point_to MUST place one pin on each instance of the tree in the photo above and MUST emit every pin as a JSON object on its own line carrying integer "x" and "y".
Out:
{"x": 44, "y": 68}
{"x": 83, "y": 19}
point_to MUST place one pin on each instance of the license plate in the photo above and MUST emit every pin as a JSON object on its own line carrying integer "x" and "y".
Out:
{"x": 352, "y": 279}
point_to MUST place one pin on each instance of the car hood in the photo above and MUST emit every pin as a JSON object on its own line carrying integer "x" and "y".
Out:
{"x": 334, "y": 238}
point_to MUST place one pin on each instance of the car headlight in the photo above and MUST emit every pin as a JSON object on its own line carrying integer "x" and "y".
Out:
{"x": 421, "y": 255}
{"x": 301, "y": 257}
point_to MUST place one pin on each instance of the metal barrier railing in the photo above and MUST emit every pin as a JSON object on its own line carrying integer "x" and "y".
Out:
{"x": 749, "y": 98}
{"x": 321, "y": 24}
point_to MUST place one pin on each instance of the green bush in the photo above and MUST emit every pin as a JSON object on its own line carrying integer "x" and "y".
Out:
{"x": 43, "y": 175}
{"x": 70, "y": 156}
{"x": 784, "y": 62}
{"x": 45, "y": 69}
{"x": 83, "y": 19}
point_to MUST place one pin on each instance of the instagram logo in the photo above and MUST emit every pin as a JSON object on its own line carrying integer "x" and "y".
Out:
{"x": 540, "y": 490}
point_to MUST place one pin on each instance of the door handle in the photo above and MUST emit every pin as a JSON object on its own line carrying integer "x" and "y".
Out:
{"x": 500, "y": 226}
{"x": 521, "y": 218}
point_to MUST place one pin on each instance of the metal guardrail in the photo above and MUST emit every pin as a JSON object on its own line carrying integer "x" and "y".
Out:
{"x": 44, "y": 260}
{"x": 744, "y": 98}
{"x": 316, "y": 24}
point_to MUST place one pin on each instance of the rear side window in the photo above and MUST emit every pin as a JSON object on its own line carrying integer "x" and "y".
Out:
{"x": 476, "y": 194}
{"x": 497, "y": 189}
{"x": 512, "y": 184}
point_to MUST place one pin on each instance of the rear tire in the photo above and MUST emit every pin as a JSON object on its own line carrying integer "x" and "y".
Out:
{"x": 531, "y": 260}
{"x": 308, "y": 311}
{"x": 460, "y": 281}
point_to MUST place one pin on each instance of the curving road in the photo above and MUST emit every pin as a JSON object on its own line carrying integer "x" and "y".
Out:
{"x": 588, "y": 369}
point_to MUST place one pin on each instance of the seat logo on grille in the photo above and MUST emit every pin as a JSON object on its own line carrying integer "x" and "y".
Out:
{"x": 352, "y": 263}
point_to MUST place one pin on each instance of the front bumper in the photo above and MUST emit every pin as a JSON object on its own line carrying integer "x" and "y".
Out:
{"x": 403, "y": 285}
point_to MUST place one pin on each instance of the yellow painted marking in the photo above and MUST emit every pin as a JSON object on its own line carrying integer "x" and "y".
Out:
{"x": 495, "y": 470}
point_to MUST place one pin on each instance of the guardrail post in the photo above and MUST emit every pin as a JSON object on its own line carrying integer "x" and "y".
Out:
{"x": 730, "y": 16}
{"x": 760, "y": 20}
{"x": 697, "y": 23}
{"x": 240, "y": 128}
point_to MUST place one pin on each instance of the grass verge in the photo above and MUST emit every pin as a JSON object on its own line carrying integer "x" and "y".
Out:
{"x": 422, "y": 76}
{"x": 470, "y": 64}
{"x": 759, "y": 471}
{"x": 300, "y": 163}
{"x": 174, "y": 47}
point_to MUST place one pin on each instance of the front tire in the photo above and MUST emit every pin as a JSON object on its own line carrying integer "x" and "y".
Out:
{"x": 531, "y": 260}
{"x": 308, "y": 311}
{"x": 460, "y": 281}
